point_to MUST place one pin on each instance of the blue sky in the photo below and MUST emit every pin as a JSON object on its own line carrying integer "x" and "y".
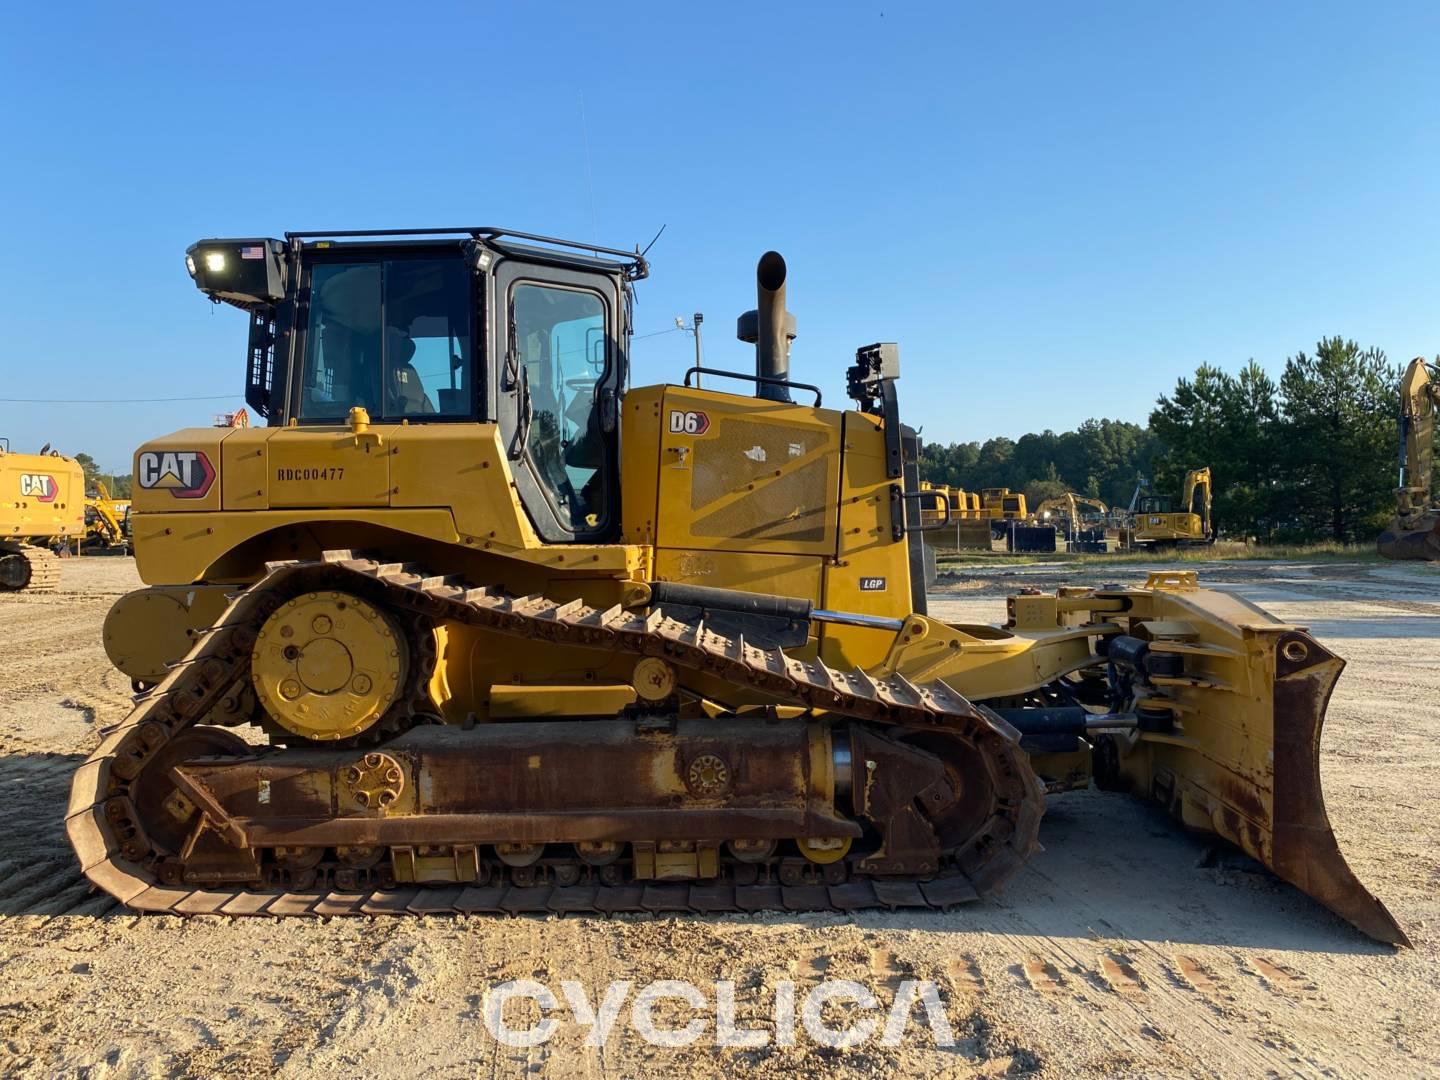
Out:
{"x": 1055, "y": 209}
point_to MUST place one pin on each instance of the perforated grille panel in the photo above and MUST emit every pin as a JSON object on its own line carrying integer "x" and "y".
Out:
{"x": 744, "y": 452}
{"x": 791, "y": 506}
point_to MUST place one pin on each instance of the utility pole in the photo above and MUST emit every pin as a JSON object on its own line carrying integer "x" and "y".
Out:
{"x": 694, "y": 328}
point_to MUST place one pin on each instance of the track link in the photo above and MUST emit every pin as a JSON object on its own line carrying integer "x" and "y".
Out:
{"x": 109, "y": 839}
{"x": 36, "y": 569}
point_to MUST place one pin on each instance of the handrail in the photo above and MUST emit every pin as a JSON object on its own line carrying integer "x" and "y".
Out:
{"x": 768, "y": 380}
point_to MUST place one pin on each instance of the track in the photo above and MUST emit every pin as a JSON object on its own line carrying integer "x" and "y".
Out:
{"x": 109, "y": 836}
{"x": 36, "y": 569}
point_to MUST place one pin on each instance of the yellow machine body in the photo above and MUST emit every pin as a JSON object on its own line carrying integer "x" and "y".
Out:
{"x": 739, "y": 686}
{"x": 42, "y": 503}
{"x": 1154, "y": 524}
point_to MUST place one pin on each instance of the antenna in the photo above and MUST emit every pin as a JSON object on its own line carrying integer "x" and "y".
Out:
{"x": 589, "y": 179}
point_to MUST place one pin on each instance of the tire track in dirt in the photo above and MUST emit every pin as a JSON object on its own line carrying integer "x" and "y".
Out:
{"x": 1250, "y": 1032}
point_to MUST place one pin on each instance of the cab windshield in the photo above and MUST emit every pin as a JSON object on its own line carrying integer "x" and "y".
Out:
{"x": 390, "y": 335}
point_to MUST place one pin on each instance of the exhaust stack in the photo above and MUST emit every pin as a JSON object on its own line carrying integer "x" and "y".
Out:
{"x": 770, "y": 328}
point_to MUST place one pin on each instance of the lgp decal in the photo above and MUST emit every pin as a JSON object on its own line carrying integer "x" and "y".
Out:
{"x": 683, "y": 422}
{"x": 872, "y": 584}
{"x": 38, "y": 486}
{"x": 186, "y": 474}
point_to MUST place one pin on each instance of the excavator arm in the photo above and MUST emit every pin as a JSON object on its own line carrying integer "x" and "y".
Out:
{"x": 1415, "y": 532}
{"x": 1199, "y": 479}
{"x": 1418, "y": 397}
{"x": 1069, "y": 503}
{"x": 102, "y": 518}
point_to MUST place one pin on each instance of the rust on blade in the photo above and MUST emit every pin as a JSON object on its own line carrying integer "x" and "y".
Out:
{"x": 1303, "y": 847}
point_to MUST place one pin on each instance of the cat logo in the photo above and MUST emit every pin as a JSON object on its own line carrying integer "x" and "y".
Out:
{"x": 38, "y": 486}
{"x": 186, "y": 474}
{"x": 688, "y": 423}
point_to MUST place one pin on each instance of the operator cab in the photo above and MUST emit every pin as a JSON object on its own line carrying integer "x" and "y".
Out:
{"x": 1154, "y": 504}
{"x": 444, "y": 326}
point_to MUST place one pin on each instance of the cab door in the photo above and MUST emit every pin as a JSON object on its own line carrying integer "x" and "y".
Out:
{"x": 560, "y": 372}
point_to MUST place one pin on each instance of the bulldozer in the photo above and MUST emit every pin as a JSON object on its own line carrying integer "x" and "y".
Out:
{"x": 471, "y": 625}
{"x": 1156, "y": 523}
{"x": 42, "y": 504}
{"x": 1415, "y": 531}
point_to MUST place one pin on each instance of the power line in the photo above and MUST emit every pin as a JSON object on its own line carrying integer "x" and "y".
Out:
{"x": 657, "y": 333}
{"x": 115, "y": 401}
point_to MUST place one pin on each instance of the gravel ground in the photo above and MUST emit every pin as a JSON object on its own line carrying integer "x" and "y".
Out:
{"x": 1126, "y": 947}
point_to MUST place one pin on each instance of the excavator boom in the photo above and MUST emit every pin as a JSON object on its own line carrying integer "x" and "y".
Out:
{"x": 1415, "y": 531}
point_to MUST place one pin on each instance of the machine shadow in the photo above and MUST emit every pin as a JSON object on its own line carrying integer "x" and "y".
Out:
{"x": 1115, "y": 867}
{"x": 38, "y": 871}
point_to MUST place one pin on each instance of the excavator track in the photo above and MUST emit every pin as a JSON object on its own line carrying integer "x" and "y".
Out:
{"x": 110, "y": 839}
{"x": 27, "y": 568}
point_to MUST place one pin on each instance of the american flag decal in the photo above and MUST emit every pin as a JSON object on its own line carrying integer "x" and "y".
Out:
{"x": 255, "y": 251}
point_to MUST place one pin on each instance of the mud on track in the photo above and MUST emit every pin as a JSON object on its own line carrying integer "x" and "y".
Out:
{"x": 1126, "y": 947}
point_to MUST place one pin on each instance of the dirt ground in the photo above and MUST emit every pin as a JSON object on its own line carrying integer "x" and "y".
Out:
{"x": 1127, "y": 947}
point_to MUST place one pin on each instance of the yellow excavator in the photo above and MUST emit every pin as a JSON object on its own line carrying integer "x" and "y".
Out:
{"x": 1415, "y": 531}
{"x": 105, "y": 521}
{"x": 42, "y": 505}
{"x": 1156, "y": 523}
{"x": 1066, "y": 508}
{"x": 506, "y": 634}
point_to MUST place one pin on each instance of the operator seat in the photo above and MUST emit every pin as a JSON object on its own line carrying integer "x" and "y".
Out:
{"x": 406, "y": 393}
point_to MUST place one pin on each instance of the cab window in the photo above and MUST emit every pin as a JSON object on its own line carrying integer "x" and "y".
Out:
{"x": 561, "y": 345}
{"x": 392, "y": 336}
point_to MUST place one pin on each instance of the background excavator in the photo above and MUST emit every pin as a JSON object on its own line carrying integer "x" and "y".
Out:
{"x": 1415, "y": 531}
{"x": 1065, "y": 509}
{"x": 506, "y": 634}
{"x": 1156, "y": 523}
{"x": 106, "y": 530}
{"x": 42, "y": 504}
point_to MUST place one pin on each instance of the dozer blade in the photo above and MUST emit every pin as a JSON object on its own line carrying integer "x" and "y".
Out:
{"x": 1253, "y": 779}
{"x": 1303, "y": 847}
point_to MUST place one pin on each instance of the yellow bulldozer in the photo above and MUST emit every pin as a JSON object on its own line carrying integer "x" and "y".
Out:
{"x": 508, "y": 635}
{"x": 1415, "y": 531}
{"x": 1157, "y": 523}
{"x": 42, "y": 505}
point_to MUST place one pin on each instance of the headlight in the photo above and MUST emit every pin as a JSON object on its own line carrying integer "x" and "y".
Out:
{"x": 190, "y": 264}
{"x": 215, "y": 261}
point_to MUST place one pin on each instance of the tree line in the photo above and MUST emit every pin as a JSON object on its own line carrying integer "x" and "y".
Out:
{"x": 118, "y": 484}
{"x": 1310, "y": 456}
